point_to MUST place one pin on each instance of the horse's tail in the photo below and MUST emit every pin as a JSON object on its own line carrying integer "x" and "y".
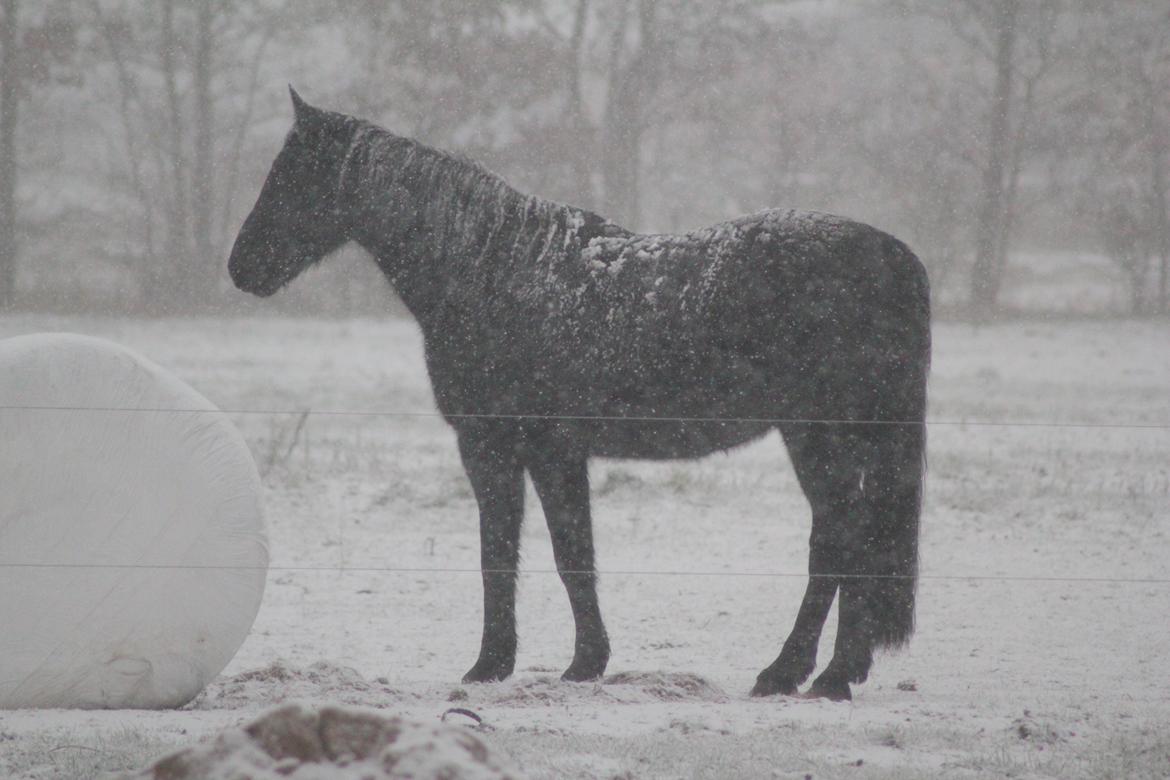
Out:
{"x": 896, "y": 458}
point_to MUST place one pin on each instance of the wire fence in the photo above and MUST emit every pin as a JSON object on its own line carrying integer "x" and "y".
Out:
{"x": 390, "y": 413}
{"x": 343, "y": 569}
{"x": 772, "y": 421}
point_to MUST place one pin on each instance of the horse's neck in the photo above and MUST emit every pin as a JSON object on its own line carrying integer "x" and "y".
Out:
{"x": 438, "y": 229}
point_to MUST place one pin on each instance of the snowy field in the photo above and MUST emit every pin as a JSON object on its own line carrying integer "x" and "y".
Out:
{"x": 1044, "y": 611}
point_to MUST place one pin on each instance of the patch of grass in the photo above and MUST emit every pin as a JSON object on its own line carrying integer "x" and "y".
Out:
{"x": 82, "y": 755}
{"x": 888, "y": 735}
{"x": 702, "y": 753}
{"x": 1139, "y": 754}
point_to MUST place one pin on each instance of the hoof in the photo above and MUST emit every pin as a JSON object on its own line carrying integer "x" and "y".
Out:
{"x": 833, "y": 690}
{"x": 488, "y": 671}
{"x": 589, "y": 661}
{"x": 766, "y": 686}
{"x": 783, "y": 676}
{"x": 585, "y": 671}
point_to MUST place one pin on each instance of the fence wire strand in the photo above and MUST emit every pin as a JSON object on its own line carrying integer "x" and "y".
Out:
{"x": 337, "y": 569}
{"x": 389, "y": 413}
{"x": 304, "y": 413}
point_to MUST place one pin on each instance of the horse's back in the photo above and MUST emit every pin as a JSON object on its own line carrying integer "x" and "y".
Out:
{"x": 776, "y": 257}
{"x": 752, "y": 320}
{"x": 775, "y": 315}
{"x": 748, "y": 295}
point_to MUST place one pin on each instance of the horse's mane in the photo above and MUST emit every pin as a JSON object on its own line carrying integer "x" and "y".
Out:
{"x": 468, "y": 208}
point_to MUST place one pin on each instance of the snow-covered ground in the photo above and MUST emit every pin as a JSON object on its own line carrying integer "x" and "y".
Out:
{"x": 1044, "y": 612}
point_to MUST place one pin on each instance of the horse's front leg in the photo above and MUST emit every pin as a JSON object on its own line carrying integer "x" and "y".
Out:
{"x": 562, "y": 483}
{"x": 497, "y": 478}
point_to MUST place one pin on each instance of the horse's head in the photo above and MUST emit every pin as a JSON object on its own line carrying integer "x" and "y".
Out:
{"x": 297, "y": 218}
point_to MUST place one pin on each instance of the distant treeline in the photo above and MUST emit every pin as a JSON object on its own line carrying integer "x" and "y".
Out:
{"x": 134, "y": 134}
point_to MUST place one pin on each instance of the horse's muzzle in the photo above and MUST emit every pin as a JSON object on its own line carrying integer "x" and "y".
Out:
{"x": 248, "y": 266}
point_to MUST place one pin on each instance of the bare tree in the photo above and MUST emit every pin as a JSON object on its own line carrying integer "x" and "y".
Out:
{"x": 1147, "y": 72}
{"x": 658, "y": 59}
{"x": 1013, "y": 42}
{"x": 9, "y": 69}
{"x": 634, "y": 76}
{"x": 564, "y": 96}
{"x": 1117, "y": 135}
{"x": 763, "y": 124}
{"x": 181, "y": 141}
{"x": 36, "y": 53}
{"x": 662, "y": 114}
{"x": 1119, "y": 222}
{"x": 995, "y": 205}
{"x": 203, "y": 115}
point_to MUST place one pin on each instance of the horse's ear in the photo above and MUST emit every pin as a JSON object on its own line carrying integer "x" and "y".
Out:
{"x": 298, "y": 103}
{"x": 306, "y": 115}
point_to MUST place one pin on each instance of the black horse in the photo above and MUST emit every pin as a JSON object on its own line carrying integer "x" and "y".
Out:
{"x": 553, "y": 335}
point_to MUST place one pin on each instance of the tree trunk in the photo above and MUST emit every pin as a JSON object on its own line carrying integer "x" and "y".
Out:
{"x": 228, "y": 188}
{"x": 200, "y": 273}
{"x": 1164, "y": 234}
{"x": 9, "y": 95}
{"x": 1159, "y": 142}
{"x": 170, "y": 278}
{"x": 147, "y": 265}
{"x": 613, "y": 204}
{"x": 581, "y": 133}
{"x": 625, "y": 118}
{"x": 622, "y": 158}
{"x": 1137, "y": 284}
{"x": 990, "y": 239}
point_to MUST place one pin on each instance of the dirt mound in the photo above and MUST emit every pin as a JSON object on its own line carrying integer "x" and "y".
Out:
{"x": 668, "y": 686}
{"x": 336, "y": 743}
{"x": 620, "y": 688}
{"x": 280, "y": 682}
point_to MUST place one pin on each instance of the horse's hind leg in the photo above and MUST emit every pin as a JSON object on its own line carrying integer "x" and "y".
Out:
{"x": 798, "y": 657}
{"x": 562, "y": 483}
{"x": 879, "y": 555}
{"x": 827, "y": 464}
{"x": 853, "y": 649}
{"x": 497, "y": 478}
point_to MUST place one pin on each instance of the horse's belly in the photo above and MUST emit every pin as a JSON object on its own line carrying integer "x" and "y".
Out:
{"x": 658, "y": 440}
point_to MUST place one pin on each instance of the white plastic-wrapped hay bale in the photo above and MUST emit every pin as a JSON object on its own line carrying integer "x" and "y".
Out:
{"x": 132, "y": 547}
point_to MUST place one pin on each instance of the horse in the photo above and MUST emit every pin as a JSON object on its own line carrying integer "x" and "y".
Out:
{"x": 553, "y": 335}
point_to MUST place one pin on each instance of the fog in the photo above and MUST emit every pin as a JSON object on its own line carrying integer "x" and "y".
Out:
{"x": 1019, "y": 148}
